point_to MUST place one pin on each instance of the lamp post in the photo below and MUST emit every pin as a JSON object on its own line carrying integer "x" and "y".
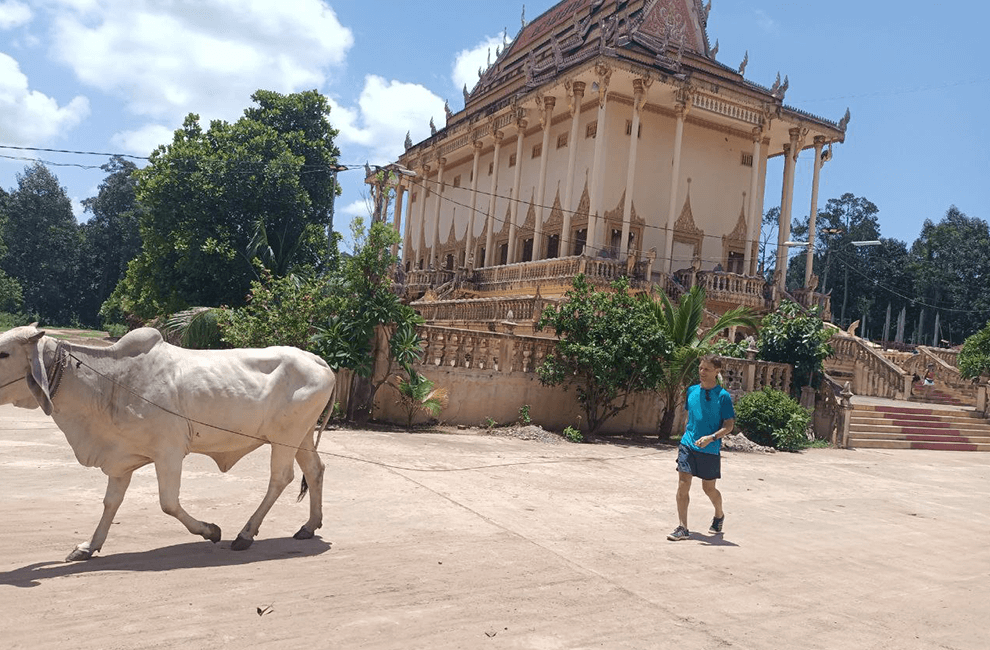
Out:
{"x": 845, "y": 291}
{"x": 331, "y": 247}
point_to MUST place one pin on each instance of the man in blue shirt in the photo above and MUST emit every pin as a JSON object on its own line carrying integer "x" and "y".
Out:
{"x": 711, "y": 417}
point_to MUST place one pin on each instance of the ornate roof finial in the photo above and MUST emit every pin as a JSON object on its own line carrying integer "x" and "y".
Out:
{"x": 783, "y": 87}
{"x": 523, "y": 18}
{"x": 708, "y": 9}
{"x": 775, "y": 86}
{"x": 715, "y": 49}
{"x": 489, "y": 57}
{"x": 745, "y": 61}
{"x": 505, "y": 36}
{"x": 408, "y": 141}
{"x": 433, "y": 127}
{"x": 844, "y": 122}
{"x": 466, "y": 93}
{"x": 446, "y": 110}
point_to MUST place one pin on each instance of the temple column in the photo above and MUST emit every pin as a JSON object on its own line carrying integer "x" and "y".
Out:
{"x": 436, "y": 213}
{"x": 546, "y": 118}
{"x": 682, "y": 110}
{"x": 813, "y": 215}
{"x": 490, "y": 238}
{"x": 469, "y": 253}
{"x": 755, "y": 211}
{"x": 577, "y": 93}
{"x": 421, "y": 245}
{"x": 791, "y": 152}
{"x": 514, "y": 198}
{"x": 639, "y": 91}
{"x": 400, "y": 191}
{"x": 595, "y": 212}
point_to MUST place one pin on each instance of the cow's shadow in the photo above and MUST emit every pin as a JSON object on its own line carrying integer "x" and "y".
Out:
{"x": 190, "y": 555}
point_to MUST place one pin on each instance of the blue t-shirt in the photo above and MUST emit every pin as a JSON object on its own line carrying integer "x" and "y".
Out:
{"x": 707, "y": 410}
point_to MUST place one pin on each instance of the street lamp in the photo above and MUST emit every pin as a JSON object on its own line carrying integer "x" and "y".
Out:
{"x": 333, "y": 195}
{"x": 845, "y": 291}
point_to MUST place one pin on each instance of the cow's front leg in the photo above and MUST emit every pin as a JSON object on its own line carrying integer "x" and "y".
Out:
{"x": 281, "y": 476}
{"x": 116, "y": 488}
{"x": 169, "y": 472}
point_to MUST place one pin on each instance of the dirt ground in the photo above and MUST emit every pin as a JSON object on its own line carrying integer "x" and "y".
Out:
{"x": 460, "y": 540}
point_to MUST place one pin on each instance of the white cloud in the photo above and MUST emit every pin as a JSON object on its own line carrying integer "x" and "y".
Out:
{"x": 143, "y": 141}
{"x": 765, "y": 22}
{"x": 467, "y": 62}
{"x": 204, "y": 56}
{"x": 14, "y": 14}
{"x": 28, "y": 116}
{"x": 386, "y": 111}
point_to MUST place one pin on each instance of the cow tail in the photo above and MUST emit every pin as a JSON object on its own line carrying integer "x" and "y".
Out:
{"x": 303, "y": 487}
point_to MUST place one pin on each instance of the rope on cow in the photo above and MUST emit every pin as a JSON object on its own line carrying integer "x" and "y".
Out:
{"x": 585, "y": 459}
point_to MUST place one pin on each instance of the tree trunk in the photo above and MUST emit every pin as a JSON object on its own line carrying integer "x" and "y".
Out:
{"x": 667, "y": 423}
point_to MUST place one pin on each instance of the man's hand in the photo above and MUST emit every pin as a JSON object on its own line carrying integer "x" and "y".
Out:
{"x": 704, "y": 440}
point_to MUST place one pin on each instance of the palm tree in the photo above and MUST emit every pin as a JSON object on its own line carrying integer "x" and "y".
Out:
{"x": 682, "y": 324}
{"x": 419, "y": 394}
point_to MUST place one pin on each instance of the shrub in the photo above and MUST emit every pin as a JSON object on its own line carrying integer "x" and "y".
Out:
{"x": 524, "y": 414}
{"x": 771, "y": 418}
{"x": 974, "y": 358}
{"x": 573, "y": 434}
{"x": 789, "y": 336}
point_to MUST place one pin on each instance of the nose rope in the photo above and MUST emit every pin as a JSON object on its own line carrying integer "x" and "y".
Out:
{"x": 585, "y": 459}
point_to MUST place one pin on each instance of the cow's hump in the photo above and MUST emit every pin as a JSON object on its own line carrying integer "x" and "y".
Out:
{"x": 136, "y": 342}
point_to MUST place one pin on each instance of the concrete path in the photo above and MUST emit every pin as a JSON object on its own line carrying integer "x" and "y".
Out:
{"x": 442, "y": 541}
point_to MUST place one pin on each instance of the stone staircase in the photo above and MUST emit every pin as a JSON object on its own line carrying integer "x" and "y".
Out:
{"x": 913, "y": 427}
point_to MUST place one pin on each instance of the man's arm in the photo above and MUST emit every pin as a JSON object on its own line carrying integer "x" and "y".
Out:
{"x": 727, "y": 426}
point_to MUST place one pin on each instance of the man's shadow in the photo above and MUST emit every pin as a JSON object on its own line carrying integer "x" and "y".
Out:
{"x": 190, "y": 555}
{"x": 716, "y": 539}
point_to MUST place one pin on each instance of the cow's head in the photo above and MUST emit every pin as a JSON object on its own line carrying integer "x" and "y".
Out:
{"x": 23, "y": 380}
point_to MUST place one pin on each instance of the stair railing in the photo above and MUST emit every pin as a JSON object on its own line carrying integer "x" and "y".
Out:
{"x": 874, "y": 374}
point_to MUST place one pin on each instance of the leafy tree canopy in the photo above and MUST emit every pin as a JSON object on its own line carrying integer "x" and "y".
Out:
{"x": 215, "y": 199}
{"x": 610, "y": 346}
{"x": 788, "y": 335}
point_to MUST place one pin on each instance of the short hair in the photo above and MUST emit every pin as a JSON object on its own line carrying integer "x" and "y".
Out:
{"x": 713, "y": 359}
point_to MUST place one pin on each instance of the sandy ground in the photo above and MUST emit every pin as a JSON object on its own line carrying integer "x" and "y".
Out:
{"x": 469, "y": 541}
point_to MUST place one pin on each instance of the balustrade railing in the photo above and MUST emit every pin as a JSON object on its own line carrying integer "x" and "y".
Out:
{"x": 950, "y": 357}
{"x": 810, "y": 299}
{"x": 877, "y": 376}
{"x": 445, "y": 347}
{"x": 480, "y": 309}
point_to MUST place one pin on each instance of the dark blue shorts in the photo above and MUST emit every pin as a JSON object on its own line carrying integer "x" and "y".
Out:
{"x": 696, "y": 463}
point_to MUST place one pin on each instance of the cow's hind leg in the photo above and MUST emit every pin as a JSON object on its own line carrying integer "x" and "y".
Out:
{"x": 169, "y": 472}
{"x": 312, "y": 468}
{"x": 281, "y": 476}
{"x": 116, "y": 488}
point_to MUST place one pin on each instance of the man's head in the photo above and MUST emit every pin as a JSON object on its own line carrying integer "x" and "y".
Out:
{"x": 708, "y": 369}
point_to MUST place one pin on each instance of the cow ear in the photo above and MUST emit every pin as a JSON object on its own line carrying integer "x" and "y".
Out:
{"x": 37, "y": 380}
{"x": 40, "y": 394}
{"x": 34, "y": 338}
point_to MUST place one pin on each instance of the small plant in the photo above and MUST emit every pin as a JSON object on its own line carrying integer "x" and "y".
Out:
{"x": 419, "y": 394}
{"x": 573, "y": 434}
{"x": 771, "y": 418}
{"x": 116, "y": 330}
{"x": 490, "y": 424}
{"x": 524, "y": 414}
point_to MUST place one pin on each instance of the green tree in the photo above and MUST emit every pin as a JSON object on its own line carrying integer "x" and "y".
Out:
{"x": 371, "y": 316}
{"x": 788, "y": 335}
{"x": 951, "y": 265}
{"x": 974, "y": 358}
{"x": 215, "y": 199}
{"x": 11, "y": 296}
{"x": 609, "y": 347}
{"x": 42, "y": 240}
{"x": 110, "y": 239}
{"x": 682, "y": 326}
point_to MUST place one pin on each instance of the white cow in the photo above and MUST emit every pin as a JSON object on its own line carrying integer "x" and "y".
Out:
{"x": 144, "y": 401}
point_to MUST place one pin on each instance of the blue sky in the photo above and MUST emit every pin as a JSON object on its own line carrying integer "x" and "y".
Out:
{"x": 120, "y": 75}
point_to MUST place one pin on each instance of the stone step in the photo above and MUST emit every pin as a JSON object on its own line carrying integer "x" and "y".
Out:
{"x": 916, "y": 431}
{"x": 922, "y": 434}
{"x": 882, "y": 443}
{"x": 910, "y": 409}
{"x": 934, "y": 425}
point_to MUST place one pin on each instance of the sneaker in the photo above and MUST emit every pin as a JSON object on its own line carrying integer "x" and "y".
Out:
{"x": 679, "y": 533}
{"x": 716, "y": 526}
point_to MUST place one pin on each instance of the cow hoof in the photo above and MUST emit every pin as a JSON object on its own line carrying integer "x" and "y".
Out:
{"x": 241, "y": 543}
{"x": 303, "y": 533}
{"x": 214, "y": 534}
{"x": 79, "y": 554}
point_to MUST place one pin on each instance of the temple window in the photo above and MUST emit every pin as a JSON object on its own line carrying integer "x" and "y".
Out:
{"x": 561, "y": 140}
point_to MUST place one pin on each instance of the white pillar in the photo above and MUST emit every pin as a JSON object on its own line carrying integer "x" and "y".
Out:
{"x": 787, "y": 194}
{"x": 755, "y": 210}
{"x": 469, "y": 252}
{"x": 546, "y": 118}
{"x": 436, "y": 213}
{"x": 515, "y": 198}
{"x": 407, "y": 226}
{"x": 489, "y": 239}
{"x": 682, "y": 111}
{"x": 819, "y": 143}
{"x": 577, "y": 93}
{"x": 596, "y": 213}
{"x": 639, "y": 91}
{"x": 400, "y": 191}
{"x": 421, "y": 244}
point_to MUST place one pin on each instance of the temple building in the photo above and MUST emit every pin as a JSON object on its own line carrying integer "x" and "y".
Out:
{"x": 605, "y": 138}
